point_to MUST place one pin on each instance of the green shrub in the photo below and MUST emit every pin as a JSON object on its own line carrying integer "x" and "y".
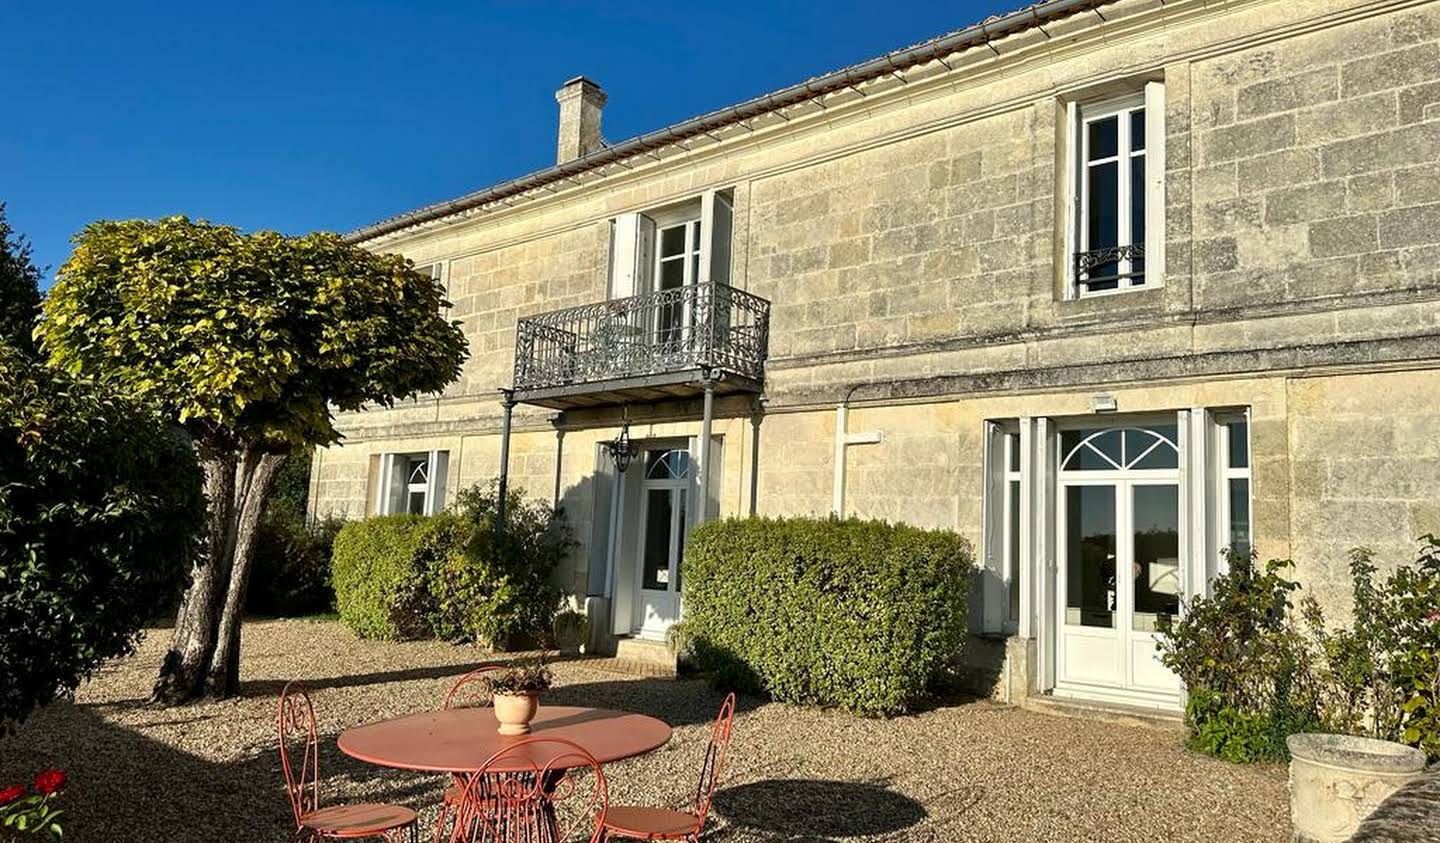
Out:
{"x": 380, "y": 572}
{"x": 291, "y": 574}
{"x": 291, "y": 565}
{"x": 100, "y": 512}
{"x": 498, "y": 592}
{"x": 1381, "y": 675}
{"x": 1259, "y": 670}
{"x": 862, "y": 615}
{"x": 1243, "y": 658}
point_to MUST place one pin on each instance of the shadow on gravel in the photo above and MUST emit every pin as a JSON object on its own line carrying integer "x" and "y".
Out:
{"x": 679, "y": 702}
{"x": 126, "y": 787}
{"x": 816, "y": 810}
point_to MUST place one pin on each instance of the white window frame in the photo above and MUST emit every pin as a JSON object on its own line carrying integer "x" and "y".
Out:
{"x": 394, "y": 487}
{"x": 1224, "y": 473}
{"x": 1004, "y": 559}
{"x": 1079, "y": 117}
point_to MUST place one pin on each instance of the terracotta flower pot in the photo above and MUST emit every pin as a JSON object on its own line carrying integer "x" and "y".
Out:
{"x": 515, "y": 711}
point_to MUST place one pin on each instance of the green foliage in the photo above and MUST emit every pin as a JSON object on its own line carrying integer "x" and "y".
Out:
{"x": 862, "y": 615}
{"x": 409, "y": 576}
{"x": 1382, "y": 672}
{"x": 100, "y": 508}
{"x": 291, "y": 576}
{"x": 527, "y": 676}
{"x": 380, "y": 570}
{"x": 256, "y": 335}
{"x": 1259, "y": 670}
{"x": 499, "y": 592}
{"x": 19, "y": 289}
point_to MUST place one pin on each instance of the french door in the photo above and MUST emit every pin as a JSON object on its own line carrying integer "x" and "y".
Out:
{"x": 1120, "y": 571}
{"x": 664, "y": 518}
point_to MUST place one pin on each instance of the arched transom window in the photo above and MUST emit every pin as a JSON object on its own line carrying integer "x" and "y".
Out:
{"x": 667, "y": 465}
{"x": 1153, "y": 447}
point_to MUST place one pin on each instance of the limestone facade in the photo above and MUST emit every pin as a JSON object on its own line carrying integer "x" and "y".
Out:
{"x": 911, "y": 236}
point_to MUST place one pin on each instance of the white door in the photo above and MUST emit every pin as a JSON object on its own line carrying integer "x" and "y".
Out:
{"x": 664, "y": 511}
{"x": 1120, "y": 566}
{"x": 677, "y": 267}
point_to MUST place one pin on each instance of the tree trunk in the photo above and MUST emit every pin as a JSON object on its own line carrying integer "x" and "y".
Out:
{"x": 257, "y": 476}
{"x": 204, "y": 654}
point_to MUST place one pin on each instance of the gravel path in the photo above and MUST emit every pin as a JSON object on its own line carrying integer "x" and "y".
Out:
{"x": 971, "y": 772}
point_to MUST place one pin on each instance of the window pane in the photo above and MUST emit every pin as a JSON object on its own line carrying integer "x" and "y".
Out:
{"x": 1090, "y": 556}
{"x": 1240, "y": 515}
{"x": 1138, "y": 441}
{"x": 1137, "y": 129}
{"x": 1103, "y": 210}
{"x": 672, "y": 241}
{"x": 415, "y": 503}
{"x": 655, "y": 574}
{"x": 1088, "y": 457}
{"x": 1104, "y": 138}
{"x": 1157, "y": 555}
{"x": 682, "y": 495}
{"x": 1012, "y": 561}
{"x": 672, "y": 274}
{"x": 1012, "y": 441}
{"x": 1238, "y": 434}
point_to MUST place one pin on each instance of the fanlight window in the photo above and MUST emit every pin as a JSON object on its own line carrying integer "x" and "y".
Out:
{"x": 1120, "y": 449}
{"x": 667, "y": 465}
{"x": 419, "y": 472}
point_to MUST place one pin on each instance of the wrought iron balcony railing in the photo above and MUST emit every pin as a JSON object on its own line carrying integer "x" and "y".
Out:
{"x": 666, "y": 332}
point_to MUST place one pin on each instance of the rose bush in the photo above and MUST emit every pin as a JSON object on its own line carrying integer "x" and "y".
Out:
{"x": 33, "y": 813}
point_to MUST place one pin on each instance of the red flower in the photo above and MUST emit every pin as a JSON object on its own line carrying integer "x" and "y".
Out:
{"x": 11, "y": 793}
{"x": 50, "y": 781}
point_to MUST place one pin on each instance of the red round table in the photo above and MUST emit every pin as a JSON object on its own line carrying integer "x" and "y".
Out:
{"x": 461, "y": 740}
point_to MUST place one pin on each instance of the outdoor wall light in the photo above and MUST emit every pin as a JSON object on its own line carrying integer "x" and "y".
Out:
{"x": 622, "y": 449}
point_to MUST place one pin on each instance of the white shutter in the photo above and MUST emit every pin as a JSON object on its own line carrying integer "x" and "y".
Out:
{"x": 644, "y": 255}
{"x": 992, "y": 508}
{"x": 1071, "y": 239}
{"x": 716, "y": 226}
{"x": 435, "y": 485}
{"x": 624, "y": 232}
{"x": 1154, "y": 184}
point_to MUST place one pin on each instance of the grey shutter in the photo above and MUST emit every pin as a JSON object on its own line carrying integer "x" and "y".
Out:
{"x": 602, "y": 487}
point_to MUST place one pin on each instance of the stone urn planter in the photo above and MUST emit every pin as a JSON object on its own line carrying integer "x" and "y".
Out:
{"x": 515, "y": 711}
{"x": 1337, "y": 780}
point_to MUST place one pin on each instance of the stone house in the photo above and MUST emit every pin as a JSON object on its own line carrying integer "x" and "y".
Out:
{"x": 1103, "y": 286}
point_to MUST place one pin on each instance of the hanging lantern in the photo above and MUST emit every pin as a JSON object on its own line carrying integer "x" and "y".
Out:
{"x": 622, "y": 449}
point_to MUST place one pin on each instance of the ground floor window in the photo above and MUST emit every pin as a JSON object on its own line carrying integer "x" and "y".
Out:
{"x": 412, "y": 483}
{"x": 1234, "y": 494}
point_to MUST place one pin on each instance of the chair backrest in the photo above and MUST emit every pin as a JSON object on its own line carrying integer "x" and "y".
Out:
{"x": 714, "y": 763}
{"x": 538, "y": 789}
{"x": 468, "y": 691}
{"x": 299, "y": 749}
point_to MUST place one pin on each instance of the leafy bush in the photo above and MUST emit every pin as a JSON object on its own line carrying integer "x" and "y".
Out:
{"x": 862, "y": 615}
{"x": 408, "y": 576}
{"x": 291, "y": 574}
{"x": 1381, "y": 674}
{"x": 100, "y": 509}
{"x": 380, "y": 572}
{"x": 1243, "y": 657}
{"x": 1258, "y": 669}
{"x": 499, "y": 592}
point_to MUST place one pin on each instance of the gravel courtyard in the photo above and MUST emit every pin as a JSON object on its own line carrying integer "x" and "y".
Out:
{"x": 967, "y": 772}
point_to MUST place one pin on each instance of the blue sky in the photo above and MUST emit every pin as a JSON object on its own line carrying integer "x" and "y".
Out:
{"x": 328, "y": 115}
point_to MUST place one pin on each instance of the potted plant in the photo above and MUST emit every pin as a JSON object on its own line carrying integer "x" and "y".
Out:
{"x": 572, "y": 630}
{"x": 515, "y": 694}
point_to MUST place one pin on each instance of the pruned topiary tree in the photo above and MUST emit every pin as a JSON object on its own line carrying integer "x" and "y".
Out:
{"x": 248, "y": 341}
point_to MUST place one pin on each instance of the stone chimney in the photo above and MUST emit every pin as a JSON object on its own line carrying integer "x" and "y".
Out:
{"x": 580, "y": 103}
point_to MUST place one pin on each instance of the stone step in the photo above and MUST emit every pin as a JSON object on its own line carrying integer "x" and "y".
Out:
{"x": 644, "y": 651}
{"x": 1125, "y": 715}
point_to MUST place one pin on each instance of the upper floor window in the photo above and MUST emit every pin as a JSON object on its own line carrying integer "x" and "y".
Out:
{"x": 672, "y": 247}
{"x": 1116, "y": 232}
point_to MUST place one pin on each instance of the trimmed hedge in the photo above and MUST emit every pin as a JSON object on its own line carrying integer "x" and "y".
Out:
{"x": 861, "y": 615}
{"x": 380, "y": 570}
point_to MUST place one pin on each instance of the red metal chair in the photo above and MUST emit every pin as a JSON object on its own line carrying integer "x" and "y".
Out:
{"x": 642, "y": 823}
{"x": 538, "y": 790}
{"x": 295, "y": 723}
{"x": 466, "y": 692}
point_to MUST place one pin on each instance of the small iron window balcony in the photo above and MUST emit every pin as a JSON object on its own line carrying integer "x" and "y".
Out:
{"x": 1109, "y": 269}
{"x": 642, "y": 348}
